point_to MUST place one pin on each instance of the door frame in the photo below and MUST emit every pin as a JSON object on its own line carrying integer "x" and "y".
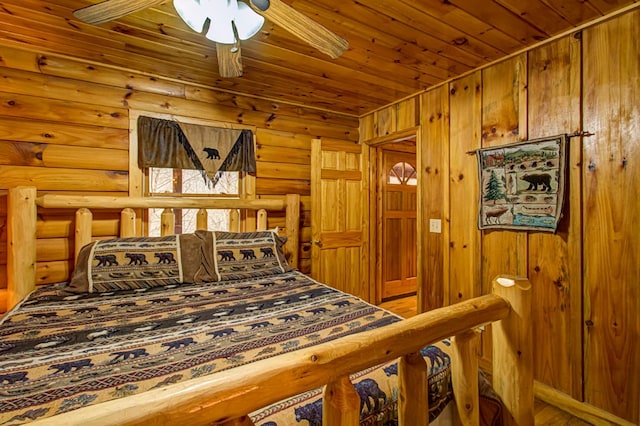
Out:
{"x": 375, "y": 200}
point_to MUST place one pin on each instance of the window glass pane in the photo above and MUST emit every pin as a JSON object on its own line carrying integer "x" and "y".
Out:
{"x": 190, "y": 182}
{"x": 402, "y": 174}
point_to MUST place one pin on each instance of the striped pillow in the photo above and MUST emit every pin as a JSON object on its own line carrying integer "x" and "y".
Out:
{"x": 139, "y": 262}
{"x": 242, "y": 255}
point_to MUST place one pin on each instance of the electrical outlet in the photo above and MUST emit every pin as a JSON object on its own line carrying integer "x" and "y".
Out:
{"x": 435, "y": 226}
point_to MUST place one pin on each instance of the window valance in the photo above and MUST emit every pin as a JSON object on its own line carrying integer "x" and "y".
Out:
{"x": 212, "y": 150}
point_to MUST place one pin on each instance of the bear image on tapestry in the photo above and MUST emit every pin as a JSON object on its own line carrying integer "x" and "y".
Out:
{"x": 522, "y": 185}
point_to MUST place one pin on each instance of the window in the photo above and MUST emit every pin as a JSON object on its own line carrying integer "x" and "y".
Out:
{"x": 185, "y": 182}
{"x": 175, "y": 152}
{"x": 402, "y": 173}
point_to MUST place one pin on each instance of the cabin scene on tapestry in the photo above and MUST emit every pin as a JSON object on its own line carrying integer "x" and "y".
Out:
{"x": 522, "y": 185}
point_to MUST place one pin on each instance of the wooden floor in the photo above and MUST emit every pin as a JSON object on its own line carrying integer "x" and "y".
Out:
{"x": 544, "y": 414}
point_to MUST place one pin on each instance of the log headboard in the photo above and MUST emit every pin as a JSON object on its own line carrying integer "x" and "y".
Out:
{"x": 22, "y": 224}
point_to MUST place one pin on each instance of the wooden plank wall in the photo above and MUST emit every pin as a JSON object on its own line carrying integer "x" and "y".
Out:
{"x": 585, "y": 277}
{"x": 64, "y": 127}
{"x": 611, "y": 176}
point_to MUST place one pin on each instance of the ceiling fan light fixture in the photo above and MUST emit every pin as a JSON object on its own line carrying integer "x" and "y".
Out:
{"x": 192, "y": 13}
{"x": 248, "y": 22}
{"x": 220, "y": 32}
{"x": 224, "y": 14}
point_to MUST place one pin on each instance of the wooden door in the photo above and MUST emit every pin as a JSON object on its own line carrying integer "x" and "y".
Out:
{"x": 339, "y": 224}
{"x": 398, "y": 184}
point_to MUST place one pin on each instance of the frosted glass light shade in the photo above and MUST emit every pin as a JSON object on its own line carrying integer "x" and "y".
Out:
{"x": 192, "y": 13}
{"x": 248, "y": 22}
{"x": 223, "y": 14}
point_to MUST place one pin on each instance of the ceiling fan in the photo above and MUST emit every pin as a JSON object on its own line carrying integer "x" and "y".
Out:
{"x": 229, "y": 21}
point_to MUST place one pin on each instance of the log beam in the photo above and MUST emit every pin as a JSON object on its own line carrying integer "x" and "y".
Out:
{"x": 464, "y": 366}
{"x": 83, "y": 231}
{"x": 127, "y": 223}
{"x": 413, "y": 394}
{"x": 341, "y": 403}
{"x": 21, "y": 239}
{"x": 513, "y": 351}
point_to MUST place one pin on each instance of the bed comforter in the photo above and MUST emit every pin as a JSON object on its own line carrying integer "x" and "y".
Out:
{"x": 60, "y": 351}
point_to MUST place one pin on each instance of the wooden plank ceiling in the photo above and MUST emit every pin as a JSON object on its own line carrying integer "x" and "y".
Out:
{"x": 396, "y": 48}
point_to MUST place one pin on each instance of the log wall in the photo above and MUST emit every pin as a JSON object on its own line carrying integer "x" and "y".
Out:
{"x": 585, "y": 276}
{"x": 64, "y": 127}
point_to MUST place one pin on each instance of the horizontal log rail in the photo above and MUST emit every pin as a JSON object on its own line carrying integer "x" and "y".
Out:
{"x": 232, "y": 394}
{"x": 101, "y": 202}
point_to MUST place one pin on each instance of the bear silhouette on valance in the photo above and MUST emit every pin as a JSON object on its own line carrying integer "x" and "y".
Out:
{"x": 212, "y": 150}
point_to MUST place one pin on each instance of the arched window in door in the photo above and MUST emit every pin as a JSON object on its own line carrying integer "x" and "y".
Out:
{"x": 402, "y": 173}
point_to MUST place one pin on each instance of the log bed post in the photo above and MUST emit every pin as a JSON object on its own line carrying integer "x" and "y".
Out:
{"x": 167, "y": 222}
{"x": 83, "y": 232}
{"x": 234, "y": 220}
{"x": 291, "y": 227}
{"x": 21, "y": 243}
{"x": 202, "y": 220}
{"x": 464, "y": 359}
{"x": 127, "y": 223}
{"x": 261, "y": 224}
{"x": 513, "y": 351}
{"x": 413, "y": 390}
{"x": 341, "y": 403}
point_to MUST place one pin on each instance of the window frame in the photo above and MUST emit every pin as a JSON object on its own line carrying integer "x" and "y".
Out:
{"x": 139, "y": 178}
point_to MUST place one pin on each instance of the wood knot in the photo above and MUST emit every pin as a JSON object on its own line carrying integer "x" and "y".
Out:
{"x": 461, "y": 41}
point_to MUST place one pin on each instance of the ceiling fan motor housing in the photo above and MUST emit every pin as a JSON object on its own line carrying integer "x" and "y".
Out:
{"x": 263, "y": 5}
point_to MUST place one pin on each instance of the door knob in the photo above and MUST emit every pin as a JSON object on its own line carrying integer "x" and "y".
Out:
{"x": 318, "y": 243}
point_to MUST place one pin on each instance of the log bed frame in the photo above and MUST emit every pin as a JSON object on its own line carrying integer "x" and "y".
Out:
{"x": 225, "y": 398}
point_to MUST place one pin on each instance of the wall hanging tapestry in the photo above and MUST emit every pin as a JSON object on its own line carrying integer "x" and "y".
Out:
{"x": 212, "y": 150}
{"x": 522, "y": 184}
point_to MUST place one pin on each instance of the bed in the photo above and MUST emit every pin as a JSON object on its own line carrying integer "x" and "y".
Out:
{"x": 151, "y": 333}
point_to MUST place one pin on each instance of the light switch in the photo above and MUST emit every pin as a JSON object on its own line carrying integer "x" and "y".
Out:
{"x": 435, "y": 226}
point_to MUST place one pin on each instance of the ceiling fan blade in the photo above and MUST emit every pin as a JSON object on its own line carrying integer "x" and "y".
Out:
{"x": 301, "y": 26}
{"x": 109, "y": 10}
{"x": 229, "y": 60}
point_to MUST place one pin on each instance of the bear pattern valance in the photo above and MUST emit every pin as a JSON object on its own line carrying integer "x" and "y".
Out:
{"x": 212, "y": 150}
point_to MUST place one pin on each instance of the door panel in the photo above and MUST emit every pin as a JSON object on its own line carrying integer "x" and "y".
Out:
{"x": 399, "y": 233}
{"x": 339, "y": 254}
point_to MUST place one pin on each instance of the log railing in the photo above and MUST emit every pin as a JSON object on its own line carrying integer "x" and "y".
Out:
{"x": 229, "y": 396}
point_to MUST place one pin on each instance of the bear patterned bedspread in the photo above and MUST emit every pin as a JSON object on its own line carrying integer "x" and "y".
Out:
{"x": 60, "y": 351}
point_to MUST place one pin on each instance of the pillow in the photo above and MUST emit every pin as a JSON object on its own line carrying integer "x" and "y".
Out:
{"x": 242, "y": 255}
{"x": 140, "y": 262}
